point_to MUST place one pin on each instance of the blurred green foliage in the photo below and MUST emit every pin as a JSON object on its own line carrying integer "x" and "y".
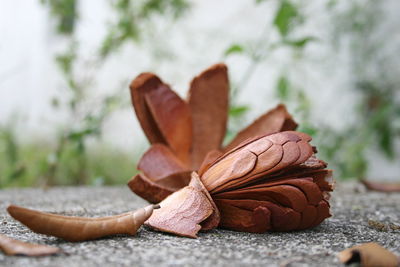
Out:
{"x": 132, "y": 17}
{"x": 71, "y": 161}
{"x": 31, "y": 164}
{"x": 65, "y": 13}
{"x": 378, "y": 110}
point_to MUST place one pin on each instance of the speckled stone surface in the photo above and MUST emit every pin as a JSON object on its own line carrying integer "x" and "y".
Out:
{"x": 351, "y": 205}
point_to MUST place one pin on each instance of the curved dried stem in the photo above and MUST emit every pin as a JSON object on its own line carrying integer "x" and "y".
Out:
{"x": 75, "y": 229}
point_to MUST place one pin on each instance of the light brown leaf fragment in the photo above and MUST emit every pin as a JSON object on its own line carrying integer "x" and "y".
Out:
{"x": 75, "y": 229}
{"x": 382, "y": 187}
{"x": 182, "y": 212}
{"x": 208, "y": 101}
{"x": 369, "y": 255}
{"x": 15, "y": 247}
{"x": 378, "y": 225}
{"x": 213, "y": 220}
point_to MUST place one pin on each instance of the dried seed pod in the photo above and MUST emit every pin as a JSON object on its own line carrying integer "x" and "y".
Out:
{"x": 75, "y": 229}
{"x": 266, "y": 179}
{"x": 271, "y": 183}
{"x": 15, "y": 247}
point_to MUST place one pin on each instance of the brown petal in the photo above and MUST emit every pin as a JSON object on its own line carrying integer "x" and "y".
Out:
{"x": 159, "y": 162}
{"x": 285, "y": 195}
{"x": 308, "y": 217}
{"x": 381, "y": 187}
{"x": 322, "y": 213}
{"x": 369, "y": 255}
{"x": 182, "y": 212}
{"x": 287, "y": 149}
{"x": 141, "y": 85}
{"x": 214, "y": 219}
{"x": 306, "y": 152}
{"x": 172, "y": 116}
{"x": 323, "y": 178}
{"x": 255, "y": 220}
{"x": 208, "y": 101}
{"x": 209, "y": 160}
{"x": 282, "y": 218}
{"x": 229, "y": 168}
{"x": 156, "y": 191}
{"x": 305, "y": 184}
{"x": 147, "y": 189}
{"x": 15, "y": 247}
{"x": 275, "y": 120}
{"x": 268, "y": 162}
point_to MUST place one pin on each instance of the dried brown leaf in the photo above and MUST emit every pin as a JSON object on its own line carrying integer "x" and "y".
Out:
{"x": 78, "y": 228}
{"x": 15, "y": 247}
{"x": 369, "y": 255}
{"x": 382, "y": 187}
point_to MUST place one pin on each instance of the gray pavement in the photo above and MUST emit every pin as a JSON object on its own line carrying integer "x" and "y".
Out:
{"x": 351, "y": 205}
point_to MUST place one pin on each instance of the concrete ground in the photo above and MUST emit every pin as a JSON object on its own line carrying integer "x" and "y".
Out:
{"x": 351, "y": 205}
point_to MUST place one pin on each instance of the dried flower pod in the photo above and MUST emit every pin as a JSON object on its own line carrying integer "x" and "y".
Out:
{"x": 183, "y": 133}
{"x": 15, "y": 247}
{"x": 75, "y": 229}
{"x": 271, "y": 183}
{"x": 266, "y": 179}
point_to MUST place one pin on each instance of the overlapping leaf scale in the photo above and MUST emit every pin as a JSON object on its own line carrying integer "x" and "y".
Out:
{"x": 258, "y": 158}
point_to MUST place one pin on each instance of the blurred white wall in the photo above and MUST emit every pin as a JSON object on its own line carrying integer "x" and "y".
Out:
{"x": 29, "y": 78}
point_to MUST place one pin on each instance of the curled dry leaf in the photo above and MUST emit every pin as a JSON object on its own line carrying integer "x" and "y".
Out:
{"x": 186, "y": 211}
{"x": 183, "y": 133}
{"x": 382, "y": 187}
{"x": 266, "y": 179}
{"x": 15, "y": 247}
{"x": 369, "y": 255}
{"x": 75, "y": 229}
